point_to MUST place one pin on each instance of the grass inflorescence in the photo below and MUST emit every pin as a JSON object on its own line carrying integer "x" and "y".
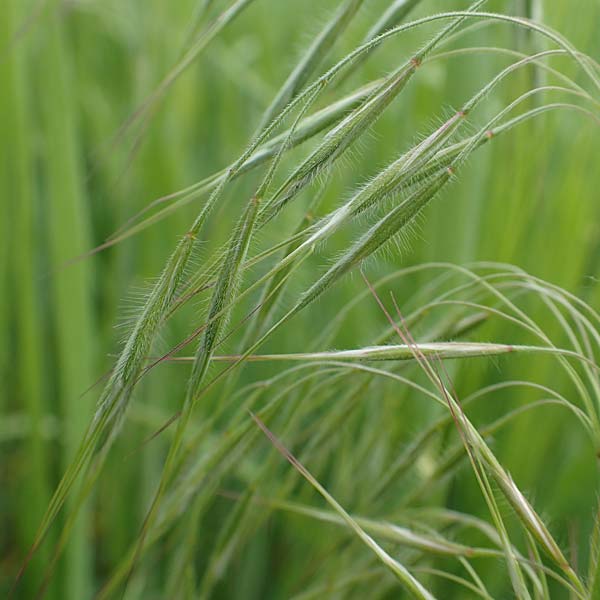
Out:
{"x": 404, "y": 419}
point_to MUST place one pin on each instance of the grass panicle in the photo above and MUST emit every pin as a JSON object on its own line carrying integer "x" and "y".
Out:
{"x": 401, "y": 413}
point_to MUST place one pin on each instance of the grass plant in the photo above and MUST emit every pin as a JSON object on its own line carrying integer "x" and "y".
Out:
{"x": 374, "y": 257}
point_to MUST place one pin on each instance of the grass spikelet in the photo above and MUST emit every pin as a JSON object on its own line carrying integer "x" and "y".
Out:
{"x": 373, "y": 239}
{"x": 352, "y": 127}
{"x": 340, "y": 138}
{"x": 222, "y": 298}
{"x": 116, "y": 394}
{"x": 223, "y": 294}
{"x": 444, "y": 350}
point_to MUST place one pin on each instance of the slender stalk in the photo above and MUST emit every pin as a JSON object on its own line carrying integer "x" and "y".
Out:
{"x": 315, "y": 54}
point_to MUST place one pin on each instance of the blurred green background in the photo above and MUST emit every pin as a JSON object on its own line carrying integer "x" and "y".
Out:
{"x": 71, "y": 73}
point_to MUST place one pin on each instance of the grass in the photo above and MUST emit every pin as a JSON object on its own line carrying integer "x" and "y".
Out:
{"x": 20, "y": 275}
{"x": 364, "y": 239}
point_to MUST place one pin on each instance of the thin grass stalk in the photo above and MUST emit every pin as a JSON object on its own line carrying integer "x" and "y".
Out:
{"x": 274, "y": 289}
{"x": 227, "y": 538}
{"x": 586, "y": 360}
{"x": 340, "y": 585}
{"x": 552, "y": 295}
{"x": 410, "y": 537}
{"x": 526, "y": 513}
{"x": 583, "y": 307}
{"x": 589, "y": 368}
{"x": 311, "y": 389}
{"x": 202, "y": 41}
{"x": 515, "y": 279}
{"x": 191, "y": 479}
{"x": 470, "y": 522}
{"x": 475, "y": 577}
{"x": 448, "y": 396}
{"x": 238, "y": 525}
{"x": 200, "y": 14}
{"x": 593, "y": 571}
{"x": 534, "y": 328}
{"x": 399, "y": 570}
{"x": 530, "y": 519}
{"x": 591, "y": 417}
{"x": 454, "y": 578}
{"x": 514, "y": 53}
{"x": 455, "y": 455}
{"x": 395, "y": 13}
{"x": 550, "y": 34}
{"x": 181, "y": 580}
{"x": 311, "y": 59}
{"x": 195, "y": 476}
{"x": 534, "y": 552}
{"x": 220, "y": 463}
